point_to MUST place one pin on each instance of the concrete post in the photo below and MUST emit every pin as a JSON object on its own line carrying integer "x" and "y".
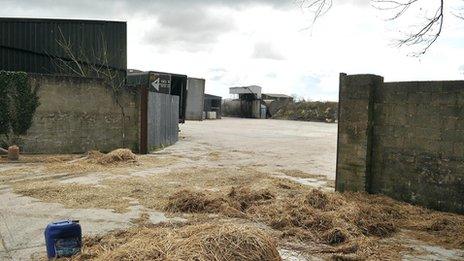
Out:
{"x": 355, "y": 126}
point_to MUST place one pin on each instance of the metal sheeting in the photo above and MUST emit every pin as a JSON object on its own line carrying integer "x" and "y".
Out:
{"x": 178, "y": 86}
{"x": 33, "y": 45}
{"x": 163, "y": 120}
{"x": 195, "y": 99}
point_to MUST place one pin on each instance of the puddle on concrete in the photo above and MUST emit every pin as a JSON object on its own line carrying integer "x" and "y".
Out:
{"x": 149, "y": 172}
{"x": 5, "y": 167}
{"x": 312, "y": 182}
{"x": 292, "y": 255}
{"x": 424, "y": 251}
{"x": 90, "y": 179}
{"x": 23, "y": 220}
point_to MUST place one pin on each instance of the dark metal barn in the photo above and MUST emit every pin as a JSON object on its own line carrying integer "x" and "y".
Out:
{"x": 213, "y": 103}
{"x": 59, "y": 46}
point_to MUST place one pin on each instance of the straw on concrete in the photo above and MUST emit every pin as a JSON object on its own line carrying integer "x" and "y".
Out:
{"x": 115, "y": 156}
{"x": 206, "y": 241}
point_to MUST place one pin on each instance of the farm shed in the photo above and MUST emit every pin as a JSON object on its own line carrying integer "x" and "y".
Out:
{"x": 276, "y": 97}
{"x": 213, "y": 103}
{"x": 63, "y": 46}
{"x": 250, "y": 101}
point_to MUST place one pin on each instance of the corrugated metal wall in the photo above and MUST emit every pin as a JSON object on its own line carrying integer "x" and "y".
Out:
{"x": 33, "y": 45}
{"x": 177, "y": 86}
{"x": 162, "y": 119}
{"x": 195, "y": 99}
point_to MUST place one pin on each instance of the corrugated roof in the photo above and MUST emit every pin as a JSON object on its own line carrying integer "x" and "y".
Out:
{"x": 213, "y": 97}
{"x": 277, "y": 95}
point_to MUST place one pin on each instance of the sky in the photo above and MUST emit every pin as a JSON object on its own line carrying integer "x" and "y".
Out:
{"x": 271, "y": 43}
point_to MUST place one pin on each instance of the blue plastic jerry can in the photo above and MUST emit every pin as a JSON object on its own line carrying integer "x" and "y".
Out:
{"x": 63, "y": 238}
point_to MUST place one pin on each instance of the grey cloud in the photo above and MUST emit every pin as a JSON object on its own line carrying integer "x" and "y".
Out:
{"x": 119, "y": 9}
{"x": 189, "y": 24}
{"x": 265, "y": 50}
{"x": 193, "y": 29}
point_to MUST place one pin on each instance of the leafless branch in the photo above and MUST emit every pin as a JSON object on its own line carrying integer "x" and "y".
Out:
{"x": 427, "y": 33}
{"x": 424, "y": 37}
{"x": 78, "y": 62}
{"x": 66, "y": 45}
{"x": 318, "y": 7}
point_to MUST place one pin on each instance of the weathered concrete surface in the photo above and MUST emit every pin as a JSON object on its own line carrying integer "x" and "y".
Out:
{"x": 23, "y": 220}
{"x": 270, "y": 144}
{"x": 79, "y": 114}
{"x": 402, "y": 139}
{"x": 355, "y": 131}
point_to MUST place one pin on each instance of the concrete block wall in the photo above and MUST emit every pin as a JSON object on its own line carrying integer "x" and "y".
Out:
{"x": 355, "y": 131}
{"x": 416, "y": 137}
{"x": 76, "y": 115}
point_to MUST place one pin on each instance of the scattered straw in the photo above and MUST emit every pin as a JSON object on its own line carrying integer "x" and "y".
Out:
{"x": 192, "y": 202}
{"x": 115, "y": 156}
{"x": 335, "y": 236}
{"x": 348, "y": 225}
{"x": 301, "y": 174}
{"x": 344, "y": 224}
{"x": 207, "y": 241}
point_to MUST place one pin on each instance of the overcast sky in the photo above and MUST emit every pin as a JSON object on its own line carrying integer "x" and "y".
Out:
{"x": 271, "y": 43}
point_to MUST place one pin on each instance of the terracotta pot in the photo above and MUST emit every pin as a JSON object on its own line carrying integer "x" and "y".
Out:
{"x": 13, "y": 152}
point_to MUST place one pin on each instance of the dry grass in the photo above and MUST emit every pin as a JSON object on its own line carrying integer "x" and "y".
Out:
{"x": 152, "y": 191}
{"x": 206, "y": 241}
{"x": 119, "y": 162}
{"x": 344, "y": 224}
{"x": 214, "y": 156}
{"x": 193, "y": 202}
{"x": 115, "y": 156}
{"x": 440, "y": 228}
{"x": 30, "y": 158}
{"x": 327, "y": 223}
{"x": 76, "y": 195}
{"x": 300, "y": 174}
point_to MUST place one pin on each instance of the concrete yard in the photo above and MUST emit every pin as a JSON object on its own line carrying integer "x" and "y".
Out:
{"x": 269, "y": 144}
{"x": 274, "y": 144}
{"x": 210, "y": 155}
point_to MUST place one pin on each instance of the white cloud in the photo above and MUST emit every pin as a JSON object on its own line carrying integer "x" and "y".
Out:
{"x": 266, "y": 50}
{"x": 192, "y": 29}
{"x": 267, "y": 43}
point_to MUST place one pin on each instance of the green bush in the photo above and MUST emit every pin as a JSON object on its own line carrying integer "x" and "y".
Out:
{"x": 308, "y": 111}
{"x": 18, "y": 102}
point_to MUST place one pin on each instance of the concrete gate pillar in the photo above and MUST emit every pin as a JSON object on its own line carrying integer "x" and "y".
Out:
{"x": 355, "y": 126}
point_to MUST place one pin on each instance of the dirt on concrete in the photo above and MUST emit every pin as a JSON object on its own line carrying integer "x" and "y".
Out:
{"x": 262, "y": 173}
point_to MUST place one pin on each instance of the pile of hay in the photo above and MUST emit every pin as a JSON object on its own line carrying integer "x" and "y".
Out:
{"x": 115, "y": 156}
{"x": 337, "y": 223}
{"x": 207, "y": 241}
{"x": 193, "y": 202}
{"x": 234, "y": 204}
